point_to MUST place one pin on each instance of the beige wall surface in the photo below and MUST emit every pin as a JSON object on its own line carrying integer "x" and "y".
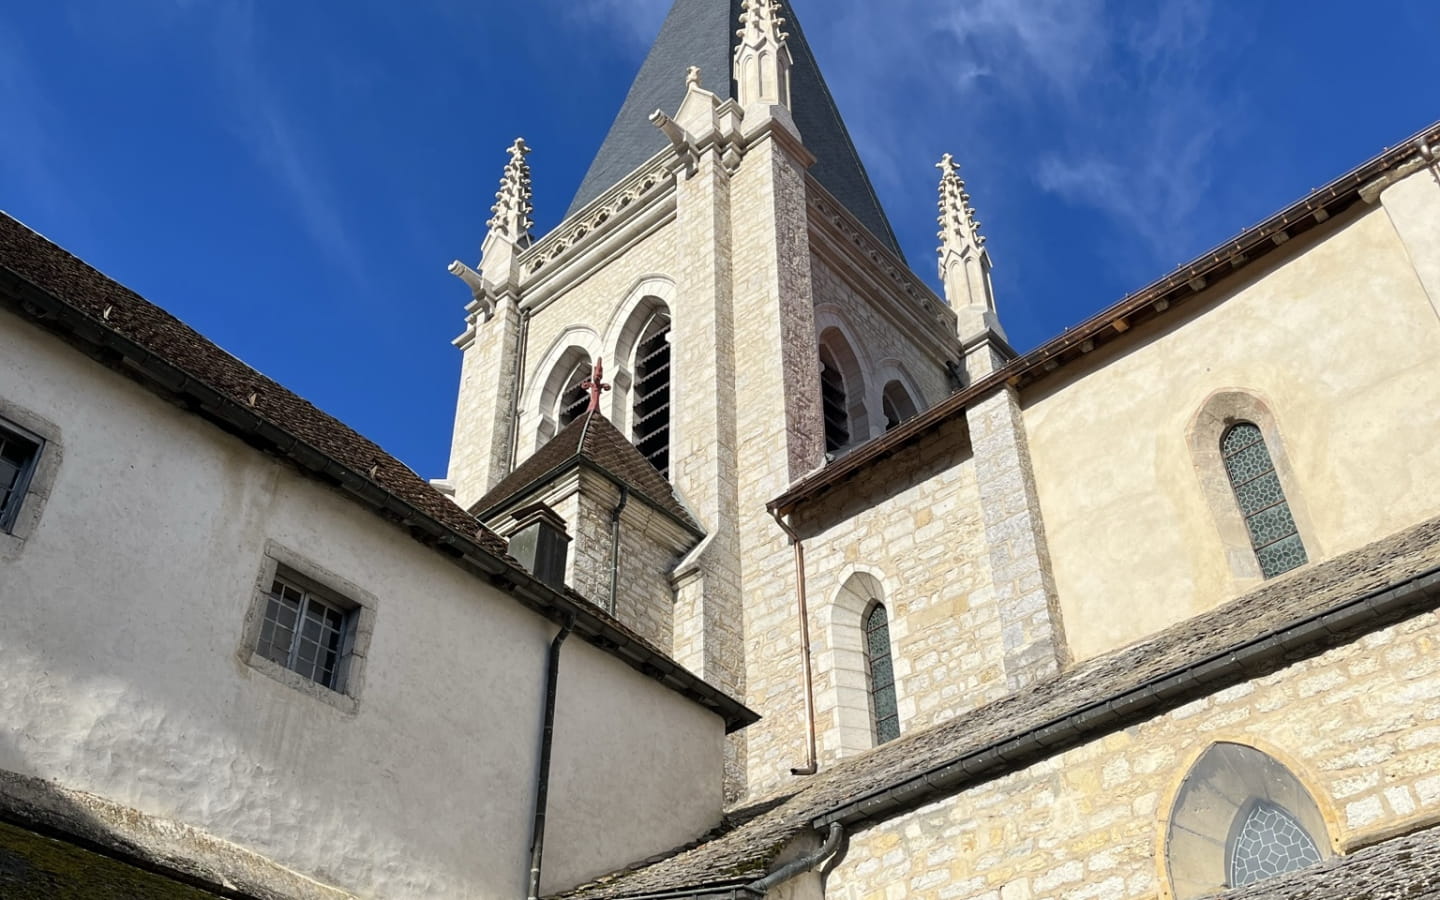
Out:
{"x": 916, "y": 543}
{"x": 1359, "y": 726}
{"x": 121, "y": 669}
{"x": 1338, "y": 339}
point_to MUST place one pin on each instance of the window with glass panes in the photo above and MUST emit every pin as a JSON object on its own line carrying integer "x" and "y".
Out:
{"x": 1262, "y": 500}
{"x": 306, "y": 633}
{"x": 880, "y": 671}
{"x": 1267, "y": 843}
{"x": 19, "y": 452}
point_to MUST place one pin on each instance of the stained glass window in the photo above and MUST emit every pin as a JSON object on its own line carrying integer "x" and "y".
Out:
{"x": 304, "y": 633}
{"x": 1262, "y": 500}
{"x": 18, "y": 455}
{"x": 880, "y": 671}
{"x": 1269, "y": 842}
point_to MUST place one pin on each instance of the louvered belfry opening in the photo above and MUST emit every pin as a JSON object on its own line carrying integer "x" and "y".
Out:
{"x": 836, "y": 407}
{"x": 652, "y": 394}
{"x": 575, "y": 399}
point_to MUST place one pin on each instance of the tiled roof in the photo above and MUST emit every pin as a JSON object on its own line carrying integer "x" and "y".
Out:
{"x": 703, "y": 33}
{"x": 44, "y": 283}
{"x": 745, "y": 849}
{"x": 590, "y": 438}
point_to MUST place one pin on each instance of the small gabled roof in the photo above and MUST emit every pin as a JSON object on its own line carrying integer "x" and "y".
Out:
{"x": 704, "y": 33}
{"x": 590, "y": 439}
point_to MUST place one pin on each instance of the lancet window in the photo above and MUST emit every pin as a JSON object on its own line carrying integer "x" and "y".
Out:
{"x": 880, "y": 674}
{"x": 1262, "y": 500}
{"x": 897, "y": 405}
{"x": 651, "y": 407}
{"x": 574, "y": 399}
{"x": 834, "y": 402}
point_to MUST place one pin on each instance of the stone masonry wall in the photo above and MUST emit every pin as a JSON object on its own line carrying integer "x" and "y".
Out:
{"x": 1359, "y": 725}
{"x": 920, "y": 535}
{"x": 879, "y": 344}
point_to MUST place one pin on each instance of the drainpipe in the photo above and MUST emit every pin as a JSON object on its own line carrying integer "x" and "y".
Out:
{"x": 519, "y": 384}
{"x": 800, "y": 866}
{"x": 547, "y": 741}
{"x": 615, "y": 548}
{"x": 812, "y": 763}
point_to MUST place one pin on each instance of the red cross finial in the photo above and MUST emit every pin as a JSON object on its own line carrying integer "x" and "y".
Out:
{"x": 596, "y": 385}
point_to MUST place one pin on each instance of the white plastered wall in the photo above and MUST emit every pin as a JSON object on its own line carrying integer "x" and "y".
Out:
{"x": 122, "y": 672}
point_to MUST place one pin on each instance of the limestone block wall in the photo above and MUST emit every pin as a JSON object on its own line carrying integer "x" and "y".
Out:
{"x": 1359, "y": 726}
{"x": 884, "y": 349}
{"x": 585, "y": 314}
{"x": 1339, "y": 340}
{"x": 919, "y": 538}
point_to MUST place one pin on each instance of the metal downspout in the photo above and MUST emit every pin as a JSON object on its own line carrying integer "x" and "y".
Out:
{"x": 547, "y": 741}
{"x": 802, "y": 865}
{"x": 615, "y": 548}
{"x": 812, "y": 760}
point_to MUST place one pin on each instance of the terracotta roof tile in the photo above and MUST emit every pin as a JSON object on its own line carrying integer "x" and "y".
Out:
{"x": 592, "y": 438}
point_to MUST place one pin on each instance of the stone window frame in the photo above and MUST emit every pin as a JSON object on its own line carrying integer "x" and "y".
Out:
{"x": 40, "y": 481}
{"x": 848, "y": 698}
{"x": 836, "y": 344}
{"x": 644, "y": 318}
{"x": 1317, "y": 814}
{"x": 537, "y": 417}
{"x": 1220, "y": 412}
{"x": 281, "y": 561}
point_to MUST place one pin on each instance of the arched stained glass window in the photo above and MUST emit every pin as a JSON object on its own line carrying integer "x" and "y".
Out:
{"x": 1267, "y": 843}
{"x": 1262, "y": 500}
{"x": 1240, "y": 817}
{"x": 880, "y": 672}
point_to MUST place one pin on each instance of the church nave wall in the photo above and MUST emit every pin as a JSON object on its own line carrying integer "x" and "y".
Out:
{"x": 1359, "y": 726}
{"x": 1337, "y": 339}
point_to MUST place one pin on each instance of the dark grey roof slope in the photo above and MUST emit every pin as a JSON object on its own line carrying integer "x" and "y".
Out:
{"x": 1406, "y": 868}
{"x": 1207, "y": 653}
{"x": 703, "y": 33}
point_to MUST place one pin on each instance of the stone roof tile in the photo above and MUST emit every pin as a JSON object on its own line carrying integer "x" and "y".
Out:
{"x": 745, "y": 847}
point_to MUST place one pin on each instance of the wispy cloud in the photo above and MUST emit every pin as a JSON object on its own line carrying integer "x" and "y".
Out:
{"x": 634, "y": 21}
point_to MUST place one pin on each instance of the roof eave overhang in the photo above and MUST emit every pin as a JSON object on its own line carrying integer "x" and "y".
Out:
{"x": 1151, "y": 302}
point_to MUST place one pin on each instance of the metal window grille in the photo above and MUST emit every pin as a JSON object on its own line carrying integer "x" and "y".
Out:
{"x": 652, "y": 396}
{"x": 575, "y": 399}
{"x": 1268, "y": 842}
{"x": 306, "y": 634}
{"x": 880, "y": 673}
{"x": 1262, "y": 500}
{"x": 18, "y": 455}
{"x": 836, "y": 407}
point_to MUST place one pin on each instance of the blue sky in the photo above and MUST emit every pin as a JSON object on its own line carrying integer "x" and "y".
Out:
{"x": 293, "y": 178}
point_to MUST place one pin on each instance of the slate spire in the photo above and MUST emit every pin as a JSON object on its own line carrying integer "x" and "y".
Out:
{"x": 706, "y": 33}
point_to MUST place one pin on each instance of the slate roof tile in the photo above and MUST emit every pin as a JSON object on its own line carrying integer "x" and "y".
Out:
{"x": 744, "y": 849}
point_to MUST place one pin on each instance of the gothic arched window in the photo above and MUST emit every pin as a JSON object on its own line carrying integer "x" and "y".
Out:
{"x": 880, "y": 675}
{"x": 1240, "y": 817}
{"x": 898, "y": 407}
{"x": 1262, "y": 501}
{"x": 574, "y": 399}
{"x": 650, "y": 427}
{"x": 834, "y": 402}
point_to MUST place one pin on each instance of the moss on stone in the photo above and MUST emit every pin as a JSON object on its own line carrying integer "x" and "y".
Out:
{"x": 33, "y": 866}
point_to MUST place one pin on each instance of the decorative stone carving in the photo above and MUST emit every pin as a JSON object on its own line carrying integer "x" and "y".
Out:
{"x": 964, "y": 261}
{"x": 762, "y": 58}
{"x": 514, "y": 202}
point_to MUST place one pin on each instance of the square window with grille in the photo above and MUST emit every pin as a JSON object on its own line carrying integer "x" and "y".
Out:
{"x": 308, "y": 630}
{"x": 19, "y": 455}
